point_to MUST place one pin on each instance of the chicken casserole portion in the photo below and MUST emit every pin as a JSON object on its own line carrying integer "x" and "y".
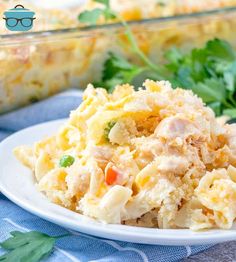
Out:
{"x": 156, "y": 157}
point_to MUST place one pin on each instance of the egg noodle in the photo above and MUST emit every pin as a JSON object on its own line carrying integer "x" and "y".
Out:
{"x": 156, "y": 157}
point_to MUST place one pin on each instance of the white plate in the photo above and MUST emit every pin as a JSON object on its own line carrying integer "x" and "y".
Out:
{"x": 17, "y": 183}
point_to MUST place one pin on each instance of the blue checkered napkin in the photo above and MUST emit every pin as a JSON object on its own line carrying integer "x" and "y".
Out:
{"x": 77, "y": 247}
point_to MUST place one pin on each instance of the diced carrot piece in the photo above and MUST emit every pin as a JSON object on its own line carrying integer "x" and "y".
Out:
{"x": 111, "y": 176}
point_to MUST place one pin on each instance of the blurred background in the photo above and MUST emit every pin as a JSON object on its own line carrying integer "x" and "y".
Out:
{"x": 61, "y": 52}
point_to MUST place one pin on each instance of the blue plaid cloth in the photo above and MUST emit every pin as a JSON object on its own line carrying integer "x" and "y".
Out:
{"x": 78, "y": 246}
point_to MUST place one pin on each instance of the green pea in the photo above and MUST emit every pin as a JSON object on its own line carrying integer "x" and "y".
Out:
{"x": 66, "y": 161}
{"x": 108, "y": 129}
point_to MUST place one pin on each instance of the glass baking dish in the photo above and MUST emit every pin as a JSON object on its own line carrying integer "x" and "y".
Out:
{"x": 39, "y": 64}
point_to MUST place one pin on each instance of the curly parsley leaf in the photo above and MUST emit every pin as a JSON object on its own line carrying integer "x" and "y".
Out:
{"x": 117, "y": 70}
{"x": 174, "y": 58}
{"x": 209, "y": 71}
{"x": 90, "y": 17}
{"x": 211, "y": 90}
{"x": 216, "y": 107}
{"x": 109, "y": 14}
{"x": 220, "y": 49}
{"x": 230, "y": 112}
{"x": 30, "y": 246}
{"x": 104, "y": 2}
{"x": 229, "y": 76}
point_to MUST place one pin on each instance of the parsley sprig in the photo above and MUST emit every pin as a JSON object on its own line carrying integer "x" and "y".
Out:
{"x": 117, "y": 70}
{"x": 91, "y": 17}
{"x": 31, "y": 246}
{"x": 210, "y": 72}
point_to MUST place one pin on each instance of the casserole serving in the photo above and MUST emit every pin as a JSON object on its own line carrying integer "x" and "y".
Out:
{"x": 156, "y": 157}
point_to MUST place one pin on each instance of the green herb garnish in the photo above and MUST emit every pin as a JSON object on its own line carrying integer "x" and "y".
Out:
{"x": 210, "y": 72}
{"x": 31, "y": 246}
{"x": 66, "y": 161}
{"x": 118, "y": 70}
{"x": 161, "y": 3}
{"x": 92, "y": 16}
